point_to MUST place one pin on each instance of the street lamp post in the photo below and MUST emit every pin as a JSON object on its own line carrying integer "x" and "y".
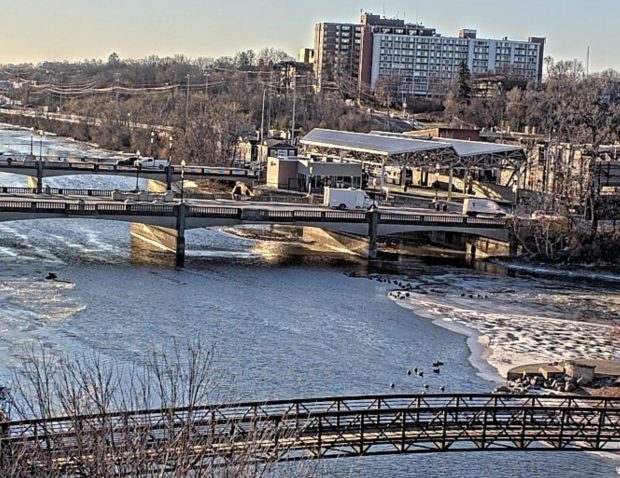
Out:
{"x": 152, "y": 141}
{"x": 137, "y": 166}
{"x": 41, "y": 133}
{"x": 170, "y": 151}
{"x": 437, "y": 166}
{"x": 182, "y": 181}
{"x": 31, "y": 140}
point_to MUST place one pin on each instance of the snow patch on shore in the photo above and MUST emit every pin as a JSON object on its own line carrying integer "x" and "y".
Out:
{"x": 502, "y": 339}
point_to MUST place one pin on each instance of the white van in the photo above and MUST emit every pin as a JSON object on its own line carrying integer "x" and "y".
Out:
{"x": 474, "y": 206}
{"x": 347, "y": 198}
{"x": 153, "y": 163}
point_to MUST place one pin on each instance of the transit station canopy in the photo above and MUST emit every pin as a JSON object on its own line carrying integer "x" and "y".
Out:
{"x": 398, "y": 149}
{"x": 379, "y": 145}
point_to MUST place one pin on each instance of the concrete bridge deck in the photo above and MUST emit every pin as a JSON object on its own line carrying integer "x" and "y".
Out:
{"x": 330, "y": 427}
{"x": 180, "y": 217}
{"x": 49, "y": 166}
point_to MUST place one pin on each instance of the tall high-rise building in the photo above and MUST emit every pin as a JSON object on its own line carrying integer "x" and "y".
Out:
{"x": 414, "y": 59}
{"x": 337, "y": 55}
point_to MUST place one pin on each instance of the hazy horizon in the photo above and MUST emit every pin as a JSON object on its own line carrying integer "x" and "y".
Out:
{"x": 137, "y": 29}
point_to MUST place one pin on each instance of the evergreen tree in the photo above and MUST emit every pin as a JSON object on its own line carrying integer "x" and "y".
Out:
{"x": 463, "y": 92}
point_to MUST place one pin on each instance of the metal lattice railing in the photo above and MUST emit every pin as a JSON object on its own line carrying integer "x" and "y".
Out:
{"x": 325, "y": 428}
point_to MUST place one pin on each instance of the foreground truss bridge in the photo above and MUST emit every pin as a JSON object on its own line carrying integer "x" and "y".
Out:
{"x": 318, "y": 428}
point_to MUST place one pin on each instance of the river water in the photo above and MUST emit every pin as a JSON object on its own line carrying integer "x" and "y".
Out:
{"x": 288, "y": 323}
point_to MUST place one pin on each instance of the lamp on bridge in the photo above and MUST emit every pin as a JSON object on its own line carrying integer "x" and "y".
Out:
{"x": 182, "y": 181}
{"x": 136, "y": 164}
{"x": 31, "y": 141}
{"x": 41, "y": 134}
{"x": 436, "y": 184}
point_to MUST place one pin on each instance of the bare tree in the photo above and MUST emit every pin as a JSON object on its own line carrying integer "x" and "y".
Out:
{"x": 91, "y": 421}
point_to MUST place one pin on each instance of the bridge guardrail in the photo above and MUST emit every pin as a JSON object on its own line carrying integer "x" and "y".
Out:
{"x": 249, "y": 213}
{"x": 395, "y": 218}
{"x": 15, "y": 161}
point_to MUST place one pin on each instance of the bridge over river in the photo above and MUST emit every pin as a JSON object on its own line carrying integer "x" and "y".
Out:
{"x": 50, "y": 166}
{"x": 331, "y": 427}
{"x": 180, "y": 216}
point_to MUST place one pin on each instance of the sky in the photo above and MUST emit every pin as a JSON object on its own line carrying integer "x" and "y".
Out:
{"x": 37, "y": 30}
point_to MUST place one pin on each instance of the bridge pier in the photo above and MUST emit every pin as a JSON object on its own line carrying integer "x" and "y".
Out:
{"x": 373, "y": 226}
{"x": 169, "y": 178}
{"x": 40, "y": 166}
{"x": 181, "y": 211}
{"x": 36, "y": 182}
{"x": 168, "y": 239}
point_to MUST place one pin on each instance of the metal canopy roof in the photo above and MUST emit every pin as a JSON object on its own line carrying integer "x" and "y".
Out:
{"x": 377, "y": 144}
{"x": 401, "y": 150}
{"x": 477, "y": 148}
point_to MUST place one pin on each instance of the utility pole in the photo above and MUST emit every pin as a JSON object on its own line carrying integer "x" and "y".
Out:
{"x": 117, "y": 81}
{"x": 187, "y": 103}
{"x": 47, "y": 73}
{"x": 294, "y": 107}
{"x": 60, "y": 108}
{"x": 262, "y": 118}
{"x": 389, "y": 101}
{"x": 206, "y": 75}
{"x": 269, "y": 112}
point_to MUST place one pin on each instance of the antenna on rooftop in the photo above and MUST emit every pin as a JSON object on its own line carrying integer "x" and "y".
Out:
{"x": 384, "y": 10}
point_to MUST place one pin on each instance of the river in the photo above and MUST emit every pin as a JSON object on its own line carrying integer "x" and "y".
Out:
{"x": 288, "y": 323}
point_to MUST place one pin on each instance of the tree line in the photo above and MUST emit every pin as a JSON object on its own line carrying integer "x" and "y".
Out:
{"x": 200, "y": 107}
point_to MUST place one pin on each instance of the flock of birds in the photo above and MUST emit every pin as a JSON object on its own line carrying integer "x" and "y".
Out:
{"x": 405, "y": 292}
{"x": 420, "y": 373}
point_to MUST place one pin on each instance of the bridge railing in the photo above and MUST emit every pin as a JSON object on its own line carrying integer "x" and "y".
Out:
{"x": 102, "y": 164}
{"x": 395, "y": 218}
{"x": 57, "y": 191}
{"x": 82, "y": 208}
{"x": 247, "y": 214}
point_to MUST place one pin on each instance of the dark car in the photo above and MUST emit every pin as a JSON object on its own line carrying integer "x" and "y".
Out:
{"x": 127, "y": 161}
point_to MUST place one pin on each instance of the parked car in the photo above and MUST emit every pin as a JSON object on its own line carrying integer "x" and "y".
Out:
{"x": 474, "y": 206}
